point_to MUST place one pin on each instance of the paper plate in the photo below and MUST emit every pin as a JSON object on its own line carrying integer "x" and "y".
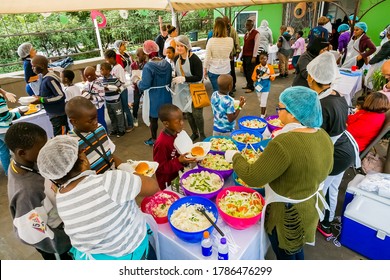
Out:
{"x": 152, "y": 164}
{"x": 206, "y": 147}
{"x": 26, "y": 100}
{"x": 23, "y": 108}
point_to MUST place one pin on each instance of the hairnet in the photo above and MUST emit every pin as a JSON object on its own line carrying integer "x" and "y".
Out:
{"x": 58, "y": 157}
{"x": 24, "y": 50}
{"x": 150, "y": 46}
{"x": 352, "y": 16}
{"x": 183, "y": 40}
{"x": 362, "y": 26}
{"x": 343, "y": 27}
{"x": 323, "y": 69}
{"x": 118, "y": 44}
{"x": 303, "y": 104}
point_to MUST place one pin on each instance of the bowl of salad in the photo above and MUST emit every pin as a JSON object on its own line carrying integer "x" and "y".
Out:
{"x": 274, "y": 123}
{"x": 220, "y": 144}
{"x": 252, "y": 123}
{"x": 158, "y": 204}
{"x": 240, "y": 182}
{"x": 239, "y": 207}
{"x": 201, "y": 182}
{"x": 244, "y": 138}
{"x": 216, "y": 163}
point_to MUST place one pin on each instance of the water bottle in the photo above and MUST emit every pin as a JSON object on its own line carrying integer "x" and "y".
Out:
{"x": 223, "y": 250}
{"x": 207, "y": 244}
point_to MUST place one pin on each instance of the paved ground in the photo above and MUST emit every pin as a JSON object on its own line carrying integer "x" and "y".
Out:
{"x": 131, "y": 146}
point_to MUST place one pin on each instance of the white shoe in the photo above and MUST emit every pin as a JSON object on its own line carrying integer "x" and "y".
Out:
{"x": 135, "y": 122}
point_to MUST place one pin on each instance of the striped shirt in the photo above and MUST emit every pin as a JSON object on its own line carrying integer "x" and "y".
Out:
{"x": 112, "y": 96}
{"x": 94, "y": 91}
{"x": 100, "y": 214}
{"x": 100, "y": 142}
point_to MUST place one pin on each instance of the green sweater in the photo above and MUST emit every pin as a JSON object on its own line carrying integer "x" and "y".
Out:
{"x": 293, "y": 164}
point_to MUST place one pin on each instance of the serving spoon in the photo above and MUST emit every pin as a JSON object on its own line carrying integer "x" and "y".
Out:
{"x": 202, "y": 210}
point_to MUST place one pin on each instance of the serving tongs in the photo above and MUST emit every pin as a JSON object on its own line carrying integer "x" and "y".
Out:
{"x": 202, "y": 210}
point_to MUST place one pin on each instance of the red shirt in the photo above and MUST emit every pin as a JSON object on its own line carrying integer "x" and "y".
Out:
{"x": 365, "y": 126}
{"x": 168, "y": 158}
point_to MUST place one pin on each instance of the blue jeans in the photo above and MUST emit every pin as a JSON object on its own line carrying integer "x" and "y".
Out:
{"x": 294, "y": 60}
{"x": 126, "y": 109}
{"x": 213, "y": 80}
{"x": 4, "y": 154}
{"x": 101, "y": 118}
{"x": 281, "y": 254}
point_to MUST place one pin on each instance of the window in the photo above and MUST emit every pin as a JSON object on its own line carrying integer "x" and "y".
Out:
{"x": 241, "y": 19}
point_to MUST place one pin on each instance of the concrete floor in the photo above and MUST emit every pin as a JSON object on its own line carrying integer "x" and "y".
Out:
{"x": 131, "y": 146}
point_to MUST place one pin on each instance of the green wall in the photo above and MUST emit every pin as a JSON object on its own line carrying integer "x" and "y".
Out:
{"x": 376, "y": 19}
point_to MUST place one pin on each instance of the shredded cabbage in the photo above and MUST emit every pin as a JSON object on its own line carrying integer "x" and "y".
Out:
{"x": 241, "y": 204}
{"x": 216, "y": 162}
{"x": 222, "y": 144}
{"x": 246, "y": 138}
{"x": 253, "y": 123}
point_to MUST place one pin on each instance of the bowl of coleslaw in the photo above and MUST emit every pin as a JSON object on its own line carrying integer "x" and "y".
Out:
{"x": 216, "y": 163}
{"x": 189, "y": 224}
{"x": 274, "y": 123}
{"x": 220, "y": 144}
{"x": 240, "y": 182}
{"x": 201, "y": 182}
{"x": 252, "y": 123}
{"x": 158, "y": 205}
{"x": 239, "y": 207}
{"x": 244, "y": 138}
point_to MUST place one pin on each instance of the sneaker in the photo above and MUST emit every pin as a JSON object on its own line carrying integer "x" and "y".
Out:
{"x": 136, "y": 122}
{"x": 149, "y": 142}
{"x": 120, "y": 134}
{"x": 129, "y": 129}
{"x": 325, "y": 231}
{"x": 194, "y": 136}
{"x": 113, "y": 133}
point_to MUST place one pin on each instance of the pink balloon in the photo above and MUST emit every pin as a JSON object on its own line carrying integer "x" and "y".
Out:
{"x": 95, "y": 14}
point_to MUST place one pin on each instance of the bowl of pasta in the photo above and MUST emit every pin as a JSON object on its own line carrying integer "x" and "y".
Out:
{"x": 218, "y": 164}
{"x": 158, "y": 205}
{"x": 252, "y": 123}
{"x": 244, "y": 138}
{"x": 239, "y": 182}
{"x": 187, "y": 222}
{"x": 201, "y": 182}
{"x": 274, "y": 123}
{"x": 239, "y": 207}
{"x": 220, "y": 144}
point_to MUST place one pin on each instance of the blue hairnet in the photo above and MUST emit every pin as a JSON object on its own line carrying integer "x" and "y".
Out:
{"x": 351, "y": 17}
{"x": 303, "y": 104}
{"x": 362, "y": 26}
{"x": 343, "y": 27}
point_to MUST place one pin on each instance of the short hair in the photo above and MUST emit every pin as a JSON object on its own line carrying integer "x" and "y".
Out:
{"x": 110, "y": 53}
{"x": 106, "y": 66}
{"x": 164, "y": 27}
{"x": 283, "y": 28}
{"x": 220, "y": 30}
{"x": 376, "y": 102}
{"x": 69, "y": 74}
{"x": 75, "y": 105}
{"x": 166, "y": 110}
{"x": 171, "y": 48}
{"x": 300, "y": 32}
{"x": 23, "y": 135}
{"x": 264, "y": 53}
{"x": 170, "y": 29}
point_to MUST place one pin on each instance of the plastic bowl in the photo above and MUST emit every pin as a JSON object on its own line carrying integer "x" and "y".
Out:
{"x": 241, "y": 145}
{"x": 224, "y": 173}
{"x": 146, "y": 200}
{"x": 259, "y": 190}
{"x": 208, "y": 139}
{"x": 264, "y": 143}
{"x": 249, "y": 118}
{"x": 235, "y": 222}
{"x": 192, "y": 237}
{"x": 270, "y": 126}
{"x": 187, "y": 192}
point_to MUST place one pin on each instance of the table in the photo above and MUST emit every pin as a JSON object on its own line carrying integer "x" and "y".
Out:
{"x": 348, "y": 84}
{"x": 40, "y": 118}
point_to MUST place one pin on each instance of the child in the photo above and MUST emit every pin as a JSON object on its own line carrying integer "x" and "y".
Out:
{"x": 262, "y": 76}
{"x": 93, "y": 138}
{"x": 170, "y": 58}
{"x": 164, "y": 152}
{"x": 113, "y": 102}
{"x": 94, "y": 91}
{"x": 31, "y": 201}
{"x": 138, "y": 65}
{"x": 118, "y": 72}
{"x": 67, "y": 77}
{"x": 26, "y": 52}
{"x": 223, "y": 107}
{"x": 298, "y": 47}
{"x": 51, "y": 95}
{"x": 284, "y": 51}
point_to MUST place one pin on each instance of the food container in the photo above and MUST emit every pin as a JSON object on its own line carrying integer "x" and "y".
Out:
{"x": 208, "y": 195}
{"x": 240, "y": 182}
{"x": 242, "y": 145}
{"x": 272, "y": 127}
{"x": 245, "y": 119}
{"x": 224, "y": 173}
{"x": 231, "y": 146}
{"x": 150, "y": 203}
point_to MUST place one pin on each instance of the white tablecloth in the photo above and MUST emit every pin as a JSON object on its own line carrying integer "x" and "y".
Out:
{"x": 40, "y": 118}
{"x": 348, "y": 85}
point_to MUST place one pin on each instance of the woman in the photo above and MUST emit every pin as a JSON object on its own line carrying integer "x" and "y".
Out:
{"x": 265, "y": 36}
{"x": 322, "y": 71}
{"x": 122, "y": 57}
{"x": 294, "y": 169}
{"x": 365, "y": 124}
{"x": 188, "y": 69}
{"x": 359, "y": 48}
{"x": 26, "y": 53}
{"x": 218, "y": 52}
{"x": 99, "y": 212}
{"x": 344, "y": 38}
{"x": 156, "y": 79}
{"x": 172, "y": 33}
{"x": 318, "y": 46}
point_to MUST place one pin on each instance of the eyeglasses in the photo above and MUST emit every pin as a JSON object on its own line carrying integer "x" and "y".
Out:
{"x": 278, "y": 109}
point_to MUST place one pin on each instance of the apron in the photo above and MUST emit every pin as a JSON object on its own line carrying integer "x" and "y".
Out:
{"x": 146, "y": 103}
{"x": 182, "y": 96}
{"x": 352, "y": 53}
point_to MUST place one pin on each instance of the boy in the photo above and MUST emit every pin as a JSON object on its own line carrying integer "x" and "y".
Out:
{"x": 170, "y": 58}
{"x": 31, "y": 201}
{"x": 113, "y": 102}
{"x": 164, "y": 152}
{"x": 51, "y": 95}
{"x": 223, "y": 107}
{"x": 67, "y": 77}
{"x": 118, "y": 72}
{"x": 94, "y": 91}
{"x": 93, "y": 139}
{"x": 284, "y": 51}
{"x": 262, "y": 76}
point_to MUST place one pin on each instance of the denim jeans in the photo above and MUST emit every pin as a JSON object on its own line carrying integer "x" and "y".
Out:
{"x": 101, "y": 119}
{"x": 4, "y": 154}
{"x": 213, "y": 80}
{"x": 126, "y": 110}
{"x": 294, "y": 60}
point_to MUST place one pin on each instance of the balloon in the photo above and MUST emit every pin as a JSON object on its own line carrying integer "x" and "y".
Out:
{"x": 124, "y": 14}
{"x": 95, "y": 14}
{"x": 45, "y": 15}
{"x": 64, "y": 19}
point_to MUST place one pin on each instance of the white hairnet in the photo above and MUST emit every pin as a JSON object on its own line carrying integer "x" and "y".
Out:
{"x": 58, "y": 157}
{"x": 24, "y": 50}
{"x": 323, "y": 69}
{"x": 183, "y": 40}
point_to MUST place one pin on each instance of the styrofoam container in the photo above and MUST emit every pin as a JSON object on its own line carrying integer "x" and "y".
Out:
{"x": 183, "y": 142}
{"x": 26, "y": 100}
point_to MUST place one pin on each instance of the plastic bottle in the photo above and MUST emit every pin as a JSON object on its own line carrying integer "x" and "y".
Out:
{"x": 207, "y": 244}
{"x": 223, "y": 250}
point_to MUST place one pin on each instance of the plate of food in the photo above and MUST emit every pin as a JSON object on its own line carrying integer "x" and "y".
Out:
{"x": 26, "y": 100}
{"x": 199, "y": 150}
{"x": 158, "y": 204}
{"x": 146, "y": 168}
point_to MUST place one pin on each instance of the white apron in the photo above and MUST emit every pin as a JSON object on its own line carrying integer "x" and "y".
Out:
{"x": 146, "y": 103}
{"x": 352, "y": 53}
{"x": 182, "y": 96}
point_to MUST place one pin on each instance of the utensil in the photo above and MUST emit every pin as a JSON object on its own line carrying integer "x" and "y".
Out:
{"x": 203, "y": 211}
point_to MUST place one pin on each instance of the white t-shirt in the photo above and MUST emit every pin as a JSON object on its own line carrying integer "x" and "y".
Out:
{"x": 71, "y": 91}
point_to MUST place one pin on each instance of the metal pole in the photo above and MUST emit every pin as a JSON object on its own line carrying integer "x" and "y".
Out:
{"x": 98, "y": 37}
{"x": 173, "y": 13}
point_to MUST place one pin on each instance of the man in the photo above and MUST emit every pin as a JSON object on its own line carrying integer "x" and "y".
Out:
{"x": 161, "y": 38}
{"x": 249, "y": 54}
